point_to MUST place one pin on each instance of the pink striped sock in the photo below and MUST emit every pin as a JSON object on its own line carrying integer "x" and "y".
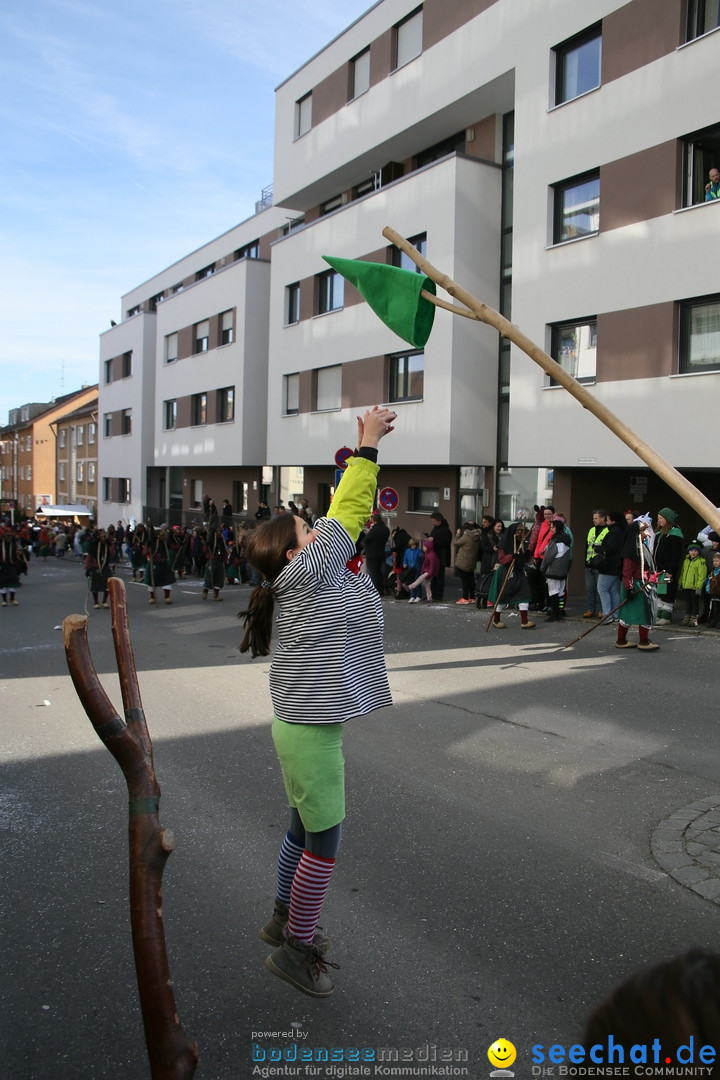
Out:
{"x": 309, "y": 886}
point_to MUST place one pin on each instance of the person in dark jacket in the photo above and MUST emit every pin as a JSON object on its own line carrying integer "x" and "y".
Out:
{"x": 441, "y": 537}
{"x": 668, "y": 553}
{"x": 608, "y": 563}
{"x": 373, "y": 547}
{"x": 398, "y": 547}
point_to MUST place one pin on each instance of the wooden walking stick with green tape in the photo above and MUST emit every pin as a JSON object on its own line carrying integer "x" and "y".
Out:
{"x": 406, "y": 302}
{"x": 171, "y": 1054}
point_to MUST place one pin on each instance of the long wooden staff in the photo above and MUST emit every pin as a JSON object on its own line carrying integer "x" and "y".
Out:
{"x": 171, "y": 1054}
{"x": 596, "y": 624}
{"x": 476, "y": 309}
{"x": 502, "y": 590}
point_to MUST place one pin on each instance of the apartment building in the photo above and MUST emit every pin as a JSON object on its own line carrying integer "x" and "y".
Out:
{"x": 182, "y": 397}
{"x": 552, "y": 159}
{"x": 77, "y": 458}
{"x": 28, "y": 451}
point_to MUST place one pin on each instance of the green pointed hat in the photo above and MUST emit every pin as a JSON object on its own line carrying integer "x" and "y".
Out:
{"x": 394, "y": 296}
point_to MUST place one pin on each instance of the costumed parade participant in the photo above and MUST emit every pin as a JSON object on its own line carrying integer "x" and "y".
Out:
{"x": 158, "y": 574}
{"x": 138, "y": 545}
{"x": 328, "y": 666}
{"x": 98, "y": 568}
{"x": 13, "y": 563}
{"x": 510, "y": 584}
{"x": 639, "y": 589}
{"x": 216, "y": 554}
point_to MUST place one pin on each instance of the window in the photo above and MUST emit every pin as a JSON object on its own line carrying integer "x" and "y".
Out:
{"x": 61, "y": 438}
{"x": 108, "y": 372}
{"x": 126, "y": 424}
{"x": 80, "y": 472}
{"x": 171, "y": 348}
{"x": 134, "y": 311}
{"x": 330, "y": 291}
{"x": 197, "y": 492}
{"x": 407, "y": 374}
{"x": 199, "y": 409}
{"x": 702, "y": 154}
{"x": 92, "y": 430}
{"x": 28, "y": 472}
{"x": 127, "y": 365}
{"x": 424, "y": 500}
{"x": 170, "y": 419}
{"x": 303, "y": 115}
{"x": 574, "y": 347}
{"x": 249, "y": 251}
{"x": 61, "y": 472}
{"x": 577, "y": 208}
{"x": 408, "y": 38}
{"x": 703, "y": 16}
{"x": 124, "y": 489}
{"x": 700, "y": 334}
{"x": 91, "y": 472}
{"x": 328, "y": 388}
{"x": 107, "y": 425}
{"x": 577, "y": 64}
{"x": 292, "y": 303}
{"x": 226, "y": 404}
{"x": 402, "y": 260}
{"x": 207, "y": 271}
{"x": 81, "y": 435}
{"x": 226, "y": 328}
{"x": 360, "y": 74}
{"x": 202, "y": 336}
{"x": 291, "y": 394}
{"x": 332, "y": 204}
{"x": 107, "y": 488}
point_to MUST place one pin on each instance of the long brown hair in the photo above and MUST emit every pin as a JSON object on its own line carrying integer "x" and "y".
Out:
{"x": 673, "y": 1000}
{"x": 267, "y": 551}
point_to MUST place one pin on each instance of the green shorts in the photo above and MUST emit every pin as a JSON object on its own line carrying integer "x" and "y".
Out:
{"x": 313, "y": 769}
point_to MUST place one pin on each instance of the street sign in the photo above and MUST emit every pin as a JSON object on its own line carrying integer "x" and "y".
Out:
{"x": 338, "y": 476}
{"x": 342, "y": 455}
{"x": 388, "y": 498}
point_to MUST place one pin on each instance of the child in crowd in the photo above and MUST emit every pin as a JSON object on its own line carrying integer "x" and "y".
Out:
{"x": 412, "y": 563}
{"x": 712, "y": 590}
{"x": 430, "y": 569}
{"x": 691, "y": 581}
{"x": 328, "y": 666}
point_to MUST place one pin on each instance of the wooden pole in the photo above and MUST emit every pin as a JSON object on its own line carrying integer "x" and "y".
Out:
{"x": 171, "y": 1054}
{"x": 674, "y": 479}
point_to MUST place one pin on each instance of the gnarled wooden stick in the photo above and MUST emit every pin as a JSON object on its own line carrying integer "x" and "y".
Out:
{"x": 674, "y": 479}
{"x": 171, "y": 1054}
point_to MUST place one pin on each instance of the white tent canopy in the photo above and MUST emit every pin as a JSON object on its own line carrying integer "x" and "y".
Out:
{"x": 65, "y": 510}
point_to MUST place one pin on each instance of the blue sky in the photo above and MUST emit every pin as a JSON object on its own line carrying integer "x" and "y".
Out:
{"x": 131, "y": 134}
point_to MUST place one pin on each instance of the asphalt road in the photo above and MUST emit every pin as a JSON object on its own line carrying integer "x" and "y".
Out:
{"x": 495, "y": 877}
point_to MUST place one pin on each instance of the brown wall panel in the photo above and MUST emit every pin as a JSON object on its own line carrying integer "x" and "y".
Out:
{"x": 483, "y": 145}
{"x": 186, "y": 342}
{"x": 441, "y": 18}
{"x": 638, "y": 343}
{"x": 639, "y": 33}
{"x": 305, "y": 393}
{"x": 330, "y": 95}
{"x": 640, "y": 186}
{"x": 307, "y": 298}
{"x": 184, "y": 413}
{"x": 363, "y": 381}
{"x": 381, "y": 57}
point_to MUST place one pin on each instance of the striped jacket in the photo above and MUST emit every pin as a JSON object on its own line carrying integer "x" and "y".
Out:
{"x": 329, "y": 663}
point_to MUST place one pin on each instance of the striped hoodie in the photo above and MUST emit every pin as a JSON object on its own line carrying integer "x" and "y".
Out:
{"x": 329, "y": 663}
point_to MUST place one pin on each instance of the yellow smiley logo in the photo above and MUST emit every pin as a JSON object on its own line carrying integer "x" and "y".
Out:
{"x": 502, "y": 1054}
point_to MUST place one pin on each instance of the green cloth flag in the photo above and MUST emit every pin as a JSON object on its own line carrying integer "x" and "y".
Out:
{"x": 394, "y": 296}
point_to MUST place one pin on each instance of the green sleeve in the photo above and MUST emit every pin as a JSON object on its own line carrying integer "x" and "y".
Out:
{"x": 353, "y": 500}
